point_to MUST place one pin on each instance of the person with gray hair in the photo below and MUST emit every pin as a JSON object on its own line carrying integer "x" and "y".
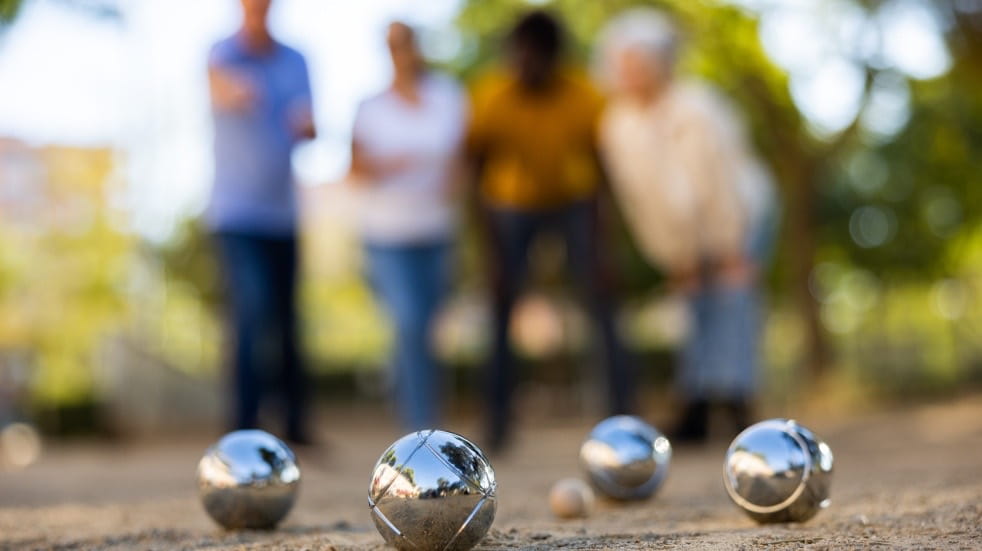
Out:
{"x": 699, "y": 204}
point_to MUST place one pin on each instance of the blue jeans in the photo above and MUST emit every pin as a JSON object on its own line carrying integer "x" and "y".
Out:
{"x": 721, "y": 357}
{"x": 719, "y": 360}
{"x": 411, "y": 282}
{"x": 261, "y": 278}
{"x": 512, "y": 235}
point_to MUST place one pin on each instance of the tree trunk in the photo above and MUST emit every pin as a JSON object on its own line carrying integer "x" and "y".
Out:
{"x": 801, "y": 250}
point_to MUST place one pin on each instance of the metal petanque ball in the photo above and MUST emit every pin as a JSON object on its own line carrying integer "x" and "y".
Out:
{"x": 433, "y": 490}
{"x": 778, "y": 471}
{"x": 248, "y": 479}
{"x": 626, "y": 458}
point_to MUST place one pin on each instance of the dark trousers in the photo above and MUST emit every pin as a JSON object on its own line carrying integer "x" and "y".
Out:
{"x": 261, "y": 280}
{"x": 512, "y": 235}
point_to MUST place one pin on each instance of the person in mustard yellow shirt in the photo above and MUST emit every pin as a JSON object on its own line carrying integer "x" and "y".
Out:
{"x": 532, "y": 140}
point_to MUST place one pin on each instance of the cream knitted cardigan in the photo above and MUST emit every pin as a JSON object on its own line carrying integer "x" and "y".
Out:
{"x": 684, "y": 175}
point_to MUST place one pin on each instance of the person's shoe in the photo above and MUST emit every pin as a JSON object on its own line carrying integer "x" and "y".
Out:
{"x": 498, "y": 437}
{"x": 310, "y": 451}
{"x": 693, "y": 425}
{"x": 740, "y": 414}
{"x": 300, "y": 438}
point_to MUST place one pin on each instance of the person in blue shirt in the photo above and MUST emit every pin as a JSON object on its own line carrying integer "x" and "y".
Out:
{"x": 261, "y": 101}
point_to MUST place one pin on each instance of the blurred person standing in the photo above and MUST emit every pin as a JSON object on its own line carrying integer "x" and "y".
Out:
{"x": 700, "y": 205}
{"x": 533, "y": 142}
{"x": 260, "y": 93}
{"x": 405, "y": 158}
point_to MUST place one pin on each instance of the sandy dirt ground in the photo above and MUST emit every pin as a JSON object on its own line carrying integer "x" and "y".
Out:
{"x": 909, "y": 479}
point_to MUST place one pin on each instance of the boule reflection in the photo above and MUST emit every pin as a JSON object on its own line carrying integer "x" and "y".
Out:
{"x": 248, "y": 479}
{"x": 626, "y": 458}
{"x": 778, "y": 471}
{"x": 433, "y": 490}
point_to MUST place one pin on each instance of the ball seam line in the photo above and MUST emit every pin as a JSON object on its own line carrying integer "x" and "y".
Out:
{"x": 398, "y": 533}
{"x": 419, "y": 444}
{"x": 467, "y": 521}
{"x": 454, "y": 469}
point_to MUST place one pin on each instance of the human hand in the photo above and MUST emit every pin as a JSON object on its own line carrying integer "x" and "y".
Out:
{"x": 302, "y": 121}
{"x": 232, "y": 91}
{"x": 684, "y": 280}
{"x": 736, "y": 271}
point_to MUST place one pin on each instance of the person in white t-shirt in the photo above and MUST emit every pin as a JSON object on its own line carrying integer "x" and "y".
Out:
{"x": 406, "y": 147}
{"x": 700, "y": 205}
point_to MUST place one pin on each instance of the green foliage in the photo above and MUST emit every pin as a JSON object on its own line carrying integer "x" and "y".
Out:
{"x": 188, "y": 258}
{"x": 62, "y": 273}
{"x": 9, "y": 10}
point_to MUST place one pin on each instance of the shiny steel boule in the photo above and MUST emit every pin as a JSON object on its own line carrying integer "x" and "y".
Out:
{"x": 248, "y": 479}
{"x": 626, "y": 458}
{"x": 433, "y": 490}
{"x": 778, "y": 471}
